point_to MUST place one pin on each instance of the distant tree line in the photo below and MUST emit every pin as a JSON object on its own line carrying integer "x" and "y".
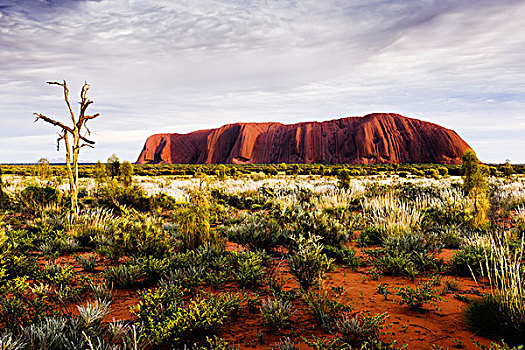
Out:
{"x": 114, "y": 169}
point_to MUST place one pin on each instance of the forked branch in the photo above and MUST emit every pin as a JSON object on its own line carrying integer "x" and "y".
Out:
{"x": 61, "y": 125}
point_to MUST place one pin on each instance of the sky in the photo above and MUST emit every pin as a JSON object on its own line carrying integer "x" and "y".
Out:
{"x": 177, "y": 66}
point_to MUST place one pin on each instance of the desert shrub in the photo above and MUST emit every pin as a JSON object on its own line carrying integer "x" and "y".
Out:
{"x": 203, "y": 265}
{"x": 194, "y": 222}
{"x": 343, "y": 178}
{"x": 167, "y": 319}
{"x": 475, "y": 186}
{"x": 257, "y": 231}
{"x": 37, "y": 199}
{"x": 54, "y": 334}
{"x": 309, "y": 263}
{"x": 41, "y": 289}
{"x": 286, "y": 343}
{"x": 68, "y": 244}
{"x": 410, "y": 242}
{"x": 250, "y": 269}
{"x": 91, "y": 315}
{"x": 325, "y": 306}
{"x": 57, "y": 333}
{"x": 126, "y": 174}
{"x": 59, "y": 274}
{"x": 503, "y": 309}
{"x": 90, "y": 224}
{"x": 390, "y": 214}
{"x": 88, "y": 262}
{"x": 361, "y": 327}
{"x": 17, "y": 308}
{"x": 302, "y": 219}
{"x": 370, "y": 236}
{"x": 276, "y": 313}
{"x": 451, "y": 213}
{"x": 124, "y": 276}
{"x": 102, "y": 292}
{"x": 135, "y": 234}
{"x": 10, "y": 342}
{"x": 391, "y": 261}
{"x": 469, "y": 260}
{"x": 153, "y": 268}
{"x": 245, "y": 200}
{"x": 187, "y": 277}
{"x": 450, "y": 236}
{"x": 15, "y": 264}
{"x": 489, "y": 317}
{"x": 163, "y": 201}
{"x": 112, "y": 196}
{"x": 347, "y": 256}
{"x": 417, "y": 297}
{"x": 397, "y": 264}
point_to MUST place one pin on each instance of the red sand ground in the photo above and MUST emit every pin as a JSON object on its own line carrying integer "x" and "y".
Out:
{"x": 416, "y": 329}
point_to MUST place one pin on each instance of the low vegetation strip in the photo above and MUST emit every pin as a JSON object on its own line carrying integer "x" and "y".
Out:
{"x": 263, "y": 256}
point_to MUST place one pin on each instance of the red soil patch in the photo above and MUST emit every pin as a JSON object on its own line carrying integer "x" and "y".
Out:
{"x": 417, "y": 329}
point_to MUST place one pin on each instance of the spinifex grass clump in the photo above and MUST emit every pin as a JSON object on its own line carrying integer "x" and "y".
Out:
{"x": 90, "y": 224}
{"x": 276, "y": 313}
{"x": 326, "y": 306}
{"x": 257, "y": 231}
{"x": 361, "y": 327}
{"x": 391, "y": 215}
{"x": 501, "y": 314}
{"x": 123, "y": 276}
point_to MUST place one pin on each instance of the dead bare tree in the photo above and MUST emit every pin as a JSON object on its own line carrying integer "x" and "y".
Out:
{"x": 75, "y": 131}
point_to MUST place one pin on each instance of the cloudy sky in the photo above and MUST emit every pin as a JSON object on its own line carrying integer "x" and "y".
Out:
{"x": 178, "y": 66}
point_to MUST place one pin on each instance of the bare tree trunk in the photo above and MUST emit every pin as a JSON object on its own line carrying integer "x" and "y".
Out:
{"x": 72, "y": 151}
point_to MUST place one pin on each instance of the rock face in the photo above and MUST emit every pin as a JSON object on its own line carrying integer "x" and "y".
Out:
{"x": 375, "y": 138}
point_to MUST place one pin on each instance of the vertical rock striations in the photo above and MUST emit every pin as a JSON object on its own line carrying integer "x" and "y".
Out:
{"x": 375, "y": 138}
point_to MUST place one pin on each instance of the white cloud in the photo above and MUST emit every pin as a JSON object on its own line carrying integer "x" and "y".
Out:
{"x": 163, "y": 66}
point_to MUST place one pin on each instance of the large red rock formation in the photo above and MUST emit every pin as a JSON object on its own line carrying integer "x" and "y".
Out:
{"x": 375, "y": 138}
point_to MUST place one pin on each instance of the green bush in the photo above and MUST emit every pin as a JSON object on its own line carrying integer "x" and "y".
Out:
{"x": 361, "y": 327}
{"x": 88, "y": 262}
{"x": 138, "y": 234}
{"x": 167, "y": 319}
{"x": 123, "y": 275}
{"x": 451, "y": 213}
{"x": 302, "y": 219}
{"x": 276, "y": 313}
{"x": 251, "y": 270}
{"x": 309, "y": 263}
{"x": 61, "y": 275}
{"x": 416, "y": 298}
{"x": 469, "y": 261}
{"x": 257, "y": 231}
{"x": 194, "y": 222}
{"x": 36, "y": 198}
{"x": 370, "y": 236}
{"x": 113, "y": 196}
{"x": 489, "y": 316}
{"x": 347, "y": 256}
{"x": 325, "y": 306}
{"x": 20, "y": 310}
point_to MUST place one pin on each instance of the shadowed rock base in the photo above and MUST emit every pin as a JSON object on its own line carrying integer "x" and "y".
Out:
{"x": 375, "y": 138}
